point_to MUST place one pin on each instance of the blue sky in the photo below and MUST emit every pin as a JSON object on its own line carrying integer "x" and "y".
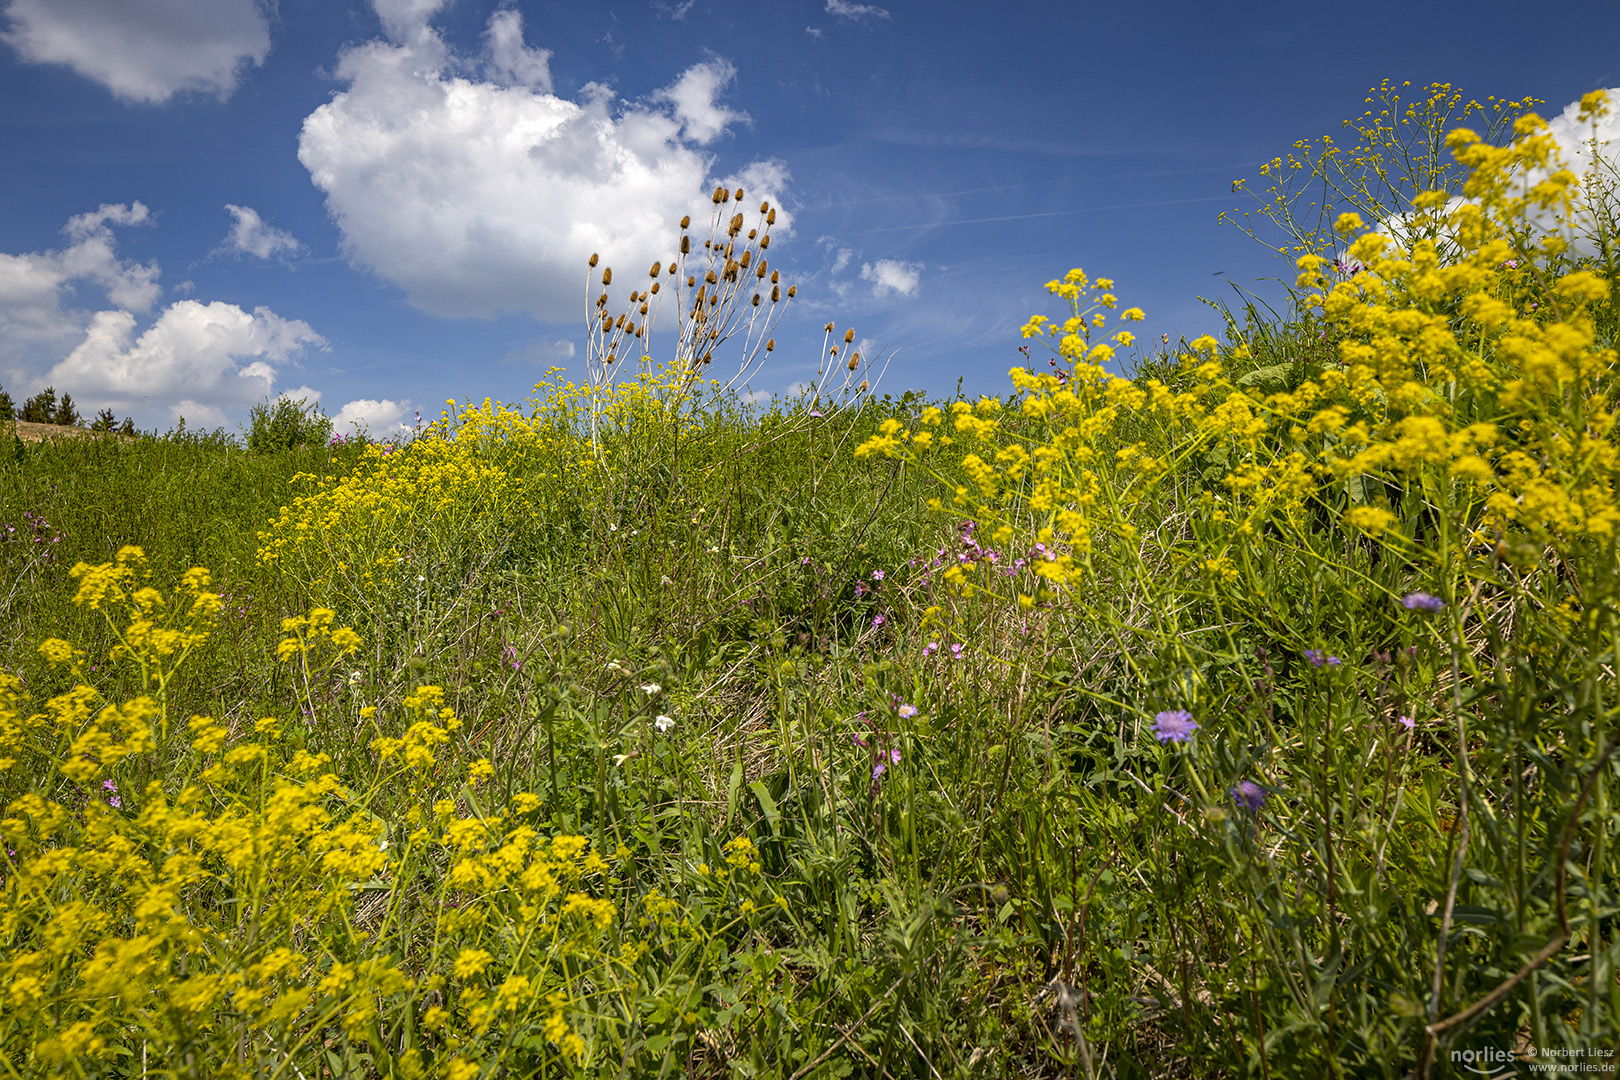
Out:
{"x": 387, "y": 203}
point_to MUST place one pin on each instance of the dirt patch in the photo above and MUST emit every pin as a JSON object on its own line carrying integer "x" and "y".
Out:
{"x": 28, "y": 432}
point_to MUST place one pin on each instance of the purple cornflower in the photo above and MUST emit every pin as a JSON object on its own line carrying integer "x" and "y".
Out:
{"x": 1249, "y": 796}
{"x": 1174, "y": 725}
{"x": 1422, "y": 601}
{"x": 906, "y": 713}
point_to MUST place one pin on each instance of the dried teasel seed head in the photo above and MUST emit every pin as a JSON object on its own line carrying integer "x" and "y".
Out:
{"x": 593, "y": 262}
{"x": 639, "y": 330}
{"x": 764, "y": 241}
{"x": 829, "y": 328}
{"x": 686, "y": 221}
{"x": 655, "y": 288}
{"x": 793, "y": 290}
{"x": 770, "y": 218}
{"x": 776, "y": 277}
{"x": 747, "y": 257}
{"x": 601, "y": 301}
{"x": 607, "y": 275}
{"x": 657, "y": 266}
{"x": 756, "y": 299}
{"x": 849, "y": 335}
{"x": 771, "y": 344}
{"x": 672, "y": 269}
{"x": 752, "y": 233}
{"x": 729, "y": 248}
{"x": 719, "y": 196}
{"x": 736, "y": 225}
{"x": 865, "y": 386}
{"x": 731, "y": 270}
{"x": 739, "y": 194}
{"x": 708, "y": 358}
{"x": 776, "y": 293}
{"x": 764, "y": 207}
{"x": 710, "y": 278}
{"x": 690, "y": 281}
{"x": 854, "y": 361}
{"x": 611, "y": 358}
{"x": 619, "y": 325}
{"x": 759, "y": 271}
{"x": 714, "y": 299}
{"x": 644, "y": 308}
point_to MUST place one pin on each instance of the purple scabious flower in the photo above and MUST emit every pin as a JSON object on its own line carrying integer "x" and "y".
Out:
{"x": 1422, "y": 601}
{"x": 1249, "y": 796}
{"x": 1174, "y": 725}
{"x": 907, "y": 712}
{"x": 1317, "y": 658}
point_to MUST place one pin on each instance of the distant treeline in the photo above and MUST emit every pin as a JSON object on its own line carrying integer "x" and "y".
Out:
{"x": 46, "y": 408}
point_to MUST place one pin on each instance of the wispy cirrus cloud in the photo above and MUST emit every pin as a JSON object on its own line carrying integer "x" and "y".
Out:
{"x": 843, "y": 9}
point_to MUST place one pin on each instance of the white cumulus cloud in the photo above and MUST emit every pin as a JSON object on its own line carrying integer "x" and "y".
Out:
{"x": 195, "y": 356}
{"x": 510, "y": 61}
{"x": 855, "y": 12}
{"x": 249, "y": 235}
{"x": 371, "y": 415}
{"x": 477, "y": 196}
{"x": 892, "y": 276}
{"x": 144, "y": 50}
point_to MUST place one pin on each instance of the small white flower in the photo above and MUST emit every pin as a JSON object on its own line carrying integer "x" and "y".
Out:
{"x": 613, "y": 665}
{"x": 665, "y": 580}
{"x": 612, "y": 527}
{"x": 620, "y": 759}
{"x": 714, "y": 551}
{"x": 664, "y": 723}
{"x": 650, "y": 688}
{"x": 356, "y": 678}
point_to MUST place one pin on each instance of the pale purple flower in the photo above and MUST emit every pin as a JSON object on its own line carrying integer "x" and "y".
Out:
{"x": 878, "y": 619}
{"x": 956, "y": 651}
{"x": 906, "y": 713}
{"x": 1406, "y": 722}
{"x": 931, "y": 648}
{"x": 1317, "y": 658}
{"x": 1174, "y": 725}
{"x": 1249, "y": 796}
{"x": 1422, "y": 601}
{"x": 112, "y": 800}
{"x": 877, "y": 575}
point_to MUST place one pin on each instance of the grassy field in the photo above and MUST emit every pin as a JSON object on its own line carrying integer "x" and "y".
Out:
{"x": 1248, "y": 714}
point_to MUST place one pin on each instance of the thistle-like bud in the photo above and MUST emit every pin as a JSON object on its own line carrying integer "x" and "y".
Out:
{"x": 708, "y": 358}
{"x": 601, "y": 301}
{"x": 776, "y": 293}
{"x": 865, "y": 386}
{"x": 776, "y": 276}
{"x": 747, "y": 257}
{"x": 731, "y": 270}
{"x": 686, "y": 221}
{"x": 619, "y": 325}
{"x": 770, "y": 218}
{"x": 644, "y": 308}
{"x": 710, "y": 278}
{"x": 793, "y": 290}
{"x": 607, "y": 275}
{"x": 849, "y": 335}
{"x": 686, "y": 245}
{"x": 657, "y": 266}
{"x": 764, "y": 207}
{"x": 690, "y": 281}
{"x": 736, "y": 225}
{"x": 671, "y": 269}
{"x": 771, "y": 344}
{"x": 854, "y": 361}
{"x": 593, "y": 262}
{"x": 639, "y": 330}
{"x": 739, "y": 194}
{"x": 719, "y": 196}
{"x": 611, "y": 358}
{"x": 752, "y": 233}
{"x": 756, "y": 299}
{"x": 655, "y": 288}
{"x": 759, "y": 271}
{"x": 764, "y": 242}
{"x": 829, "y": 328}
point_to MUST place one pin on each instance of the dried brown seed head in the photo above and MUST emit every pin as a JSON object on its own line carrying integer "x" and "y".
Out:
{"x": 710, "y": 278}
{"x": 771, "y": 344}
{"x": 657, "y": 266}
{"x": 719, "y": 196}
{"x": 708, "y": 358}
{"x": 764, "y": 206}
{"x": 854, "y": 359}
{"x": 739, "y": 194}
{"x": 747, "y": 257}
{"x": 756, "y": 299}
{"x": 593, "y": 261}
{"x": 752, "y": 233}
{"x": 865, "y": 386}
{"x": 736, "y": 225}
{"x": 686, "y": 221}
{"x": 690, "y": 281}
{"x": 770, "y": 218}
{"x": 849, "y": 335}
{"x": 793, "y": 290}
{"x": 776, "y": 293}
{"x": 776, "y": 277}
{"x": 607, "y": 275}
{"x": 764, "y": 242}
{"x": 829, "y": 328}
{"x": 686, "y": 245}
{"x": 644, "y": 308}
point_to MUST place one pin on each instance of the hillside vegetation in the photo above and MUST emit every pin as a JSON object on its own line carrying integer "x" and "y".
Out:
{"x": 1251, "y": 712}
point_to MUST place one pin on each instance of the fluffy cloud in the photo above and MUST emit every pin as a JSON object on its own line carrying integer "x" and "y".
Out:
{"x": 249, "y": 235}
{"x": 892, "y": 276}
{"x": 542, "y": 352}
{"x": 855, "y": 12}
{"x": 484, "y": 195}
{"x": 196, "y": 358}
{"x": 37, "y": 290}
{"x": 144, "y": 50}
{"x": 368, "y": 414}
